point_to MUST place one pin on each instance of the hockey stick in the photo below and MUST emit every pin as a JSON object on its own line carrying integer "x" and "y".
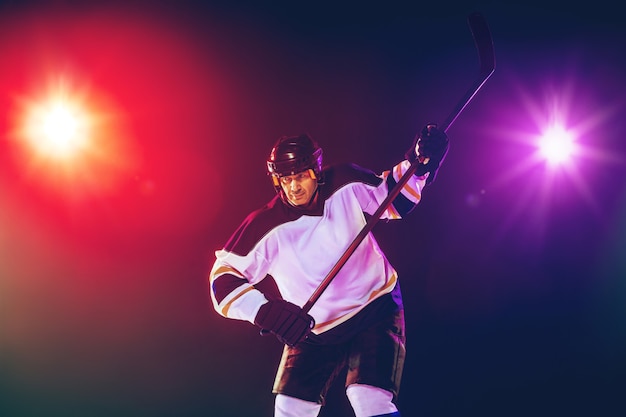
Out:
{"x": 484, "y": 45}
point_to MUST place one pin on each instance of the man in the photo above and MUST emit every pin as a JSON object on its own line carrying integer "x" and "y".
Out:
{"x": 279, "y": 255}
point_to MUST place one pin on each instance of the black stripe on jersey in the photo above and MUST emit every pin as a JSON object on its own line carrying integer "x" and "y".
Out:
{"x": 225, "y": 284}
{"x": 402, "y": 204}
{"x": 260, "y": 222}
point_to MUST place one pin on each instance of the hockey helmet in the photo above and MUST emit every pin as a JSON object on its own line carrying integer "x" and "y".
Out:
{"x": 293, "y": 154}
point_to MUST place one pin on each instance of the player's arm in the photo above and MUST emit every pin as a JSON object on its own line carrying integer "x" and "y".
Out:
{"x": 235, "y": 297}
{"x": 431, "y": 146}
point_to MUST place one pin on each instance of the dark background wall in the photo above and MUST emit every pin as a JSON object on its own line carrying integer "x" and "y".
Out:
{"x": 513, "y": 274}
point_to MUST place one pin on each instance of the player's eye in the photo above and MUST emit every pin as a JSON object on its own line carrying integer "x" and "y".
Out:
{"x": 302, "y": 176}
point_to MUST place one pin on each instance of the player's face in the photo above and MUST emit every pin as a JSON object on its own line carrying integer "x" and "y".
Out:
{"x": 299, "y": 188}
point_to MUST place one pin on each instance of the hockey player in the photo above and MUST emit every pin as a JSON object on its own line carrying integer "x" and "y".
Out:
{"x": 278, "y": 256}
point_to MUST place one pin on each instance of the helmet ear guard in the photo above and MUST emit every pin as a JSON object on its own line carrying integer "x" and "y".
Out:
{"x": 275, "y": 180}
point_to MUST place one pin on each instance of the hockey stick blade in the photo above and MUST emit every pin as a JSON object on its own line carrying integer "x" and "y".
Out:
{"x": 484, "y": 44}
{"x": 486, "y": 58}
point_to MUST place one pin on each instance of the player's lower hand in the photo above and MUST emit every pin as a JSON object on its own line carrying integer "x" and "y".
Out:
{"x": 288, "y": 322}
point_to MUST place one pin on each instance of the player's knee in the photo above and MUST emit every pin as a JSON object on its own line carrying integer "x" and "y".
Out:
{"x": 370, "y": 401}
{"x": 285, "y": 406}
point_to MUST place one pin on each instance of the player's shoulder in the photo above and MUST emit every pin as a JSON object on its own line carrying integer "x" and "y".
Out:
{"x": 340, "y": 175}
{"x": 257, "y": 225}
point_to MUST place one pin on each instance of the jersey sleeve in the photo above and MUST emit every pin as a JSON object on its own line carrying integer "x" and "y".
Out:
{"x": 404, "y": 203}
{"x": 243, "y": 263}
{"x": 231, "y": 283}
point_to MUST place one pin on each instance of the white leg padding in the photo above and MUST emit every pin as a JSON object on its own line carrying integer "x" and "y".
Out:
{"x": 286, "y": 406}
{"x": 368, "y": 401}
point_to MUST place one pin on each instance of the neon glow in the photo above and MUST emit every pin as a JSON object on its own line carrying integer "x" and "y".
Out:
{"x": 73, "y": 134}
{"x": 552, "y": 152}
{"x": 556, "y": 145}
{"x": 57, "y": 128}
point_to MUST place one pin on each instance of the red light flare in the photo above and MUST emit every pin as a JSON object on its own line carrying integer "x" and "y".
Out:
{"x": 57, "y": 128}
{"x": 70, "y": 137}
{"x": 156, "y": 104}
{"x": 145, "y": 106}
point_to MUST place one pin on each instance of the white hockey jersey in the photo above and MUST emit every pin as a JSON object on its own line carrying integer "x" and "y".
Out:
{"x": 292, "y": 249}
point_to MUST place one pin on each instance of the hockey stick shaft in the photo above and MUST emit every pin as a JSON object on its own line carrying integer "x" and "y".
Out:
{"x": 484, "y": 44}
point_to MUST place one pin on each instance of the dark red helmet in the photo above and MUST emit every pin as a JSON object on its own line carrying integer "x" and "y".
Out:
{"x": 293, "y": 154}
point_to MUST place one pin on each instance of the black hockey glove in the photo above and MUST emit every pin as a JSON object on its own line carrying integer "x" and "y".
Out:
{"x": 284, "y": 320}
{"x": 432, "y": 145}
